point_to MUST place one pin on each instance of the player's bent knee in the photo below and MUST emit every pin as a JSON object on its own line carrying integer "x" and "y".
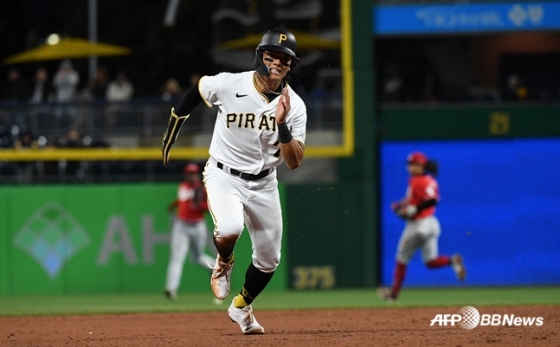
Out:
{"x": 403, "y": 260}
{"x": 266, "y": 266}
{"x": 226, "y": 241}
{"x": 227, "y": 230}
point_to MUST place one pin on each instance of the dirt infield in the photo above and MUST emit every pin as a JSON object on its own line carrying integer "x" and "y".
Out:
{"x": 366, "y": 327}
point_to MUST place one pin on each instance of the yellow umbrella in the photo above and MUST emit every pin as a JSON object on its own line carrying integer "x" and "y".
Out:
{"x": 305, "y": 41}
{"x": 67, "y": 48}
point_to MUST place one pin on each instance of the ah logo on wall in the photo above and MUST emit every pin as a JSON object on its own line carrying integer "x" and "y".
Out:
{"x": 51, "y": 235}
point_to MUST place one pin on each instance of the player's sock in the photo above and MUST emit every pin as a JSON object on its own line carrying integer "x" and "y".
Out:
{"x": 239, "y": 301}
{"x": 440, "y": 261}
{"x": 255, "y": 282}
{"x": 228, "y": 260}
{"x": 398, "y": 278}
{"x": 226, "y": 253}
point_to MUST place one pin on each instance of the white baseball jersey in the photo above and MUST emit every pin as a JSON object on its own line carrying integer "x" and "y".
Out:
{"x": 246, "y": 135}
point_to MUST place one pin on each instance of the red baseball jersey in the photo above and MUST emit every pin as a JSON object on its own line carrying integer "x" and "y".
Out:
{"x": 422, "y": 188}
{"x": 190, "y": 210}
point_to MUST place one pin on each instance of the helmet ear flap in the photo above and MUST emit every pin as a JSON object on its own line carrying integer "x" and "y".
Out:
{"x": 294, "y": 65}
{"x": 258, "y": 63}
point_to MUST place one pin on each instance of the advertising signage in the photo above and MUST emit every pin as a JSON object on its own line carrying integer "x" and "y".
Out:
{"x": 437, "y": 19}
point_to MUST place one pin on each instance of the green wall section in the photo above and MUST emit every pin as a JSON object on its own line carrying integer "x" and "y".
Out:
{"x": 469, "y": 122}
{"x": 333, "y": 227}
{"x": 326, "y": 237}
{"x": 358, "y": 174}
{"x": 94, "y": 239}
{"x": 365, "y": 159}
{"x": 5, "y": 250}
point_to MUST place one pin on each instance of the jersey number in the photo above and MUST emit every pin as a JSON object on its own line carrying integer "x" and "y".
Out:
{"x": 277, "y": 153}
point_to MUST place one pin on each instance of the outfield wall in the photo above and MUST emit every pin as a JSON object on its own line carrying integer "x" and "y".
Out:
{"x": 498, "y": 165}
{"x": 102, "y": 238}
{"x": 499, "y": 206}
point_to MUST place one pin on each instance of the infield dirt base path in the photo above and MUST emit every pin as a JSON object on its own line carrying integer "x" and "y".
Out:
{"x": 366, "y": 327}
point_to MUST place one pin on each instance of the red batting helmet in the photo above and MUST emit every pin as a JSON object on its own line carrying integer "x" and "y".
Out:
{"x": 417, "y": 158}
{"x": 191, "y": 168}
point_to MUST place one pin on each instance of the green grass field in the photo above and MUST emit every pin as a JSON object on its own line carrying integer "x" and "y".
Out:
{"x": 271, "y": 300}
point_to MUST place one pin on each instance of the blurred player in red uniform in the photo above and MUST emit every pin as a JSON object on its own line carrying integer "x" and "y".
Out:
{"x": 189, "y": 228}
{"x": 422, "y": 227}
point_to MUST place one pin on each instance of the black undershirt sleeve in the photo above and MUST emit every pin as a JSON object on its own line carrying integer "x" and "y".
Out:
{"x": 190, "y": 100}
{"x": 425, "y": 204}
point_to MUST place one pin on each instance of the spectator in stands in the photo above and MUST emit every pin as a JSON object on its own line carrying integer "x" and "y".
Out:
{"x": 171, "y": 90}
{"x": 6, "y": 140}
{"x": 516, "y": 89}
{"x": 193, "y": 79}
{"x": 99, "y": 142}
{"x": 120, "y": 88}
{"x": 73, "y": 139}
{"x": 7, "y": 168}
{"x": 65, "y": 82}
{"x": 96, "y": 90}
{"x": 49, "y": 167}
{"x": 25, "y": 169}
{"x": 15, "y": 89}
{"x": 42, "y": 90}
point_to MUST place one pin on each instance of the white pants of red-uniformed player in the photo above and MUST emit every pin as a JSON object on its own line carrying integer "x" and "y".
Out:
{"x": 421, "y": 234}
{"x": 234, "y": 202}
{"x": 184, "y": 237}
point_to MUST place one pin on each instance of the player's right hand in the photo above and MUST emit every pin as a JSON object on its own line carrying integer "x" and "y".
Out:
{"x": 283, "y": 107}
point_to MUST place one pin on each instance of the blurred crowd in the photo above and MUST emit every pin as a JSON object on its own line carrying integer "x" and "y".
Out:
{"x": 397, "y": 88}
{"x": 65, "y": 86}
{"x": 61, "y": 100}
{"x": 46, "y": 110}
{"x": 23, "y": 139}
{"x": 76, "y": 171}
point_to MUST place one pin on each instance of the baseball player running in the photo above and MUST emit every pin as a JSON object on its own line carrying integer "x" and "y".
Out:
{"x": 422, "y": 227}
{"x": 189, "y": 230}
{"x": 260, "y": 123}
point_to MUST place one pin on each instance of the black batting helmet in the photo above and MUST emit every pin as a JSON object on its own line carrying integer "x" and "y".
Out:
{"x": 278, "y": 40}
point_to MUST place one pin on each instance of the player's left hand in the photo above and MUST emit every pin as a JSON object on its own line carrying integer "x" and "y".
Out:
{"x": 404, "y": 210}
{"x": 283, "y": 106}
{"x": 395, "y": 205}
